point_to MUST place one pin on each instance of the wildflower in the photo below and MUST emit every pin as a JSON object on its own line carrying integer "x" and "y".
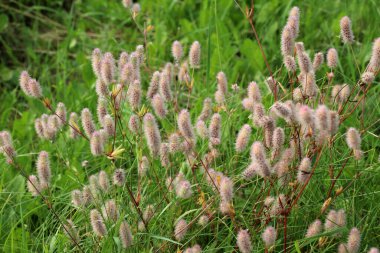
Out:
{"x": 254, "y": 93}
{"x": 109, "y": 125}
{"x": 287, "y": 41}
{"x": 104, "y": 182}
{"x": 203, "y": 220}
{"x": 134, "y": 124}
{"x": 268, "y": 125}
{"x": 278, "y": 140}
{"x": 143, "y": 166}
{"x": 164, "y": 87}
{"x": 87, "y": 122}
{"x": 202, "y": 129}
{"x": 180, "y": 229}
{"x": 97, "y": 223}
{"x": 152, "y": 134}
{"x": 119, "y": 177}
{"x": 346, "y": 31}
{"x": 244, "y": 241}
{"x": 293, "y": 21}
{"x": 125, "y": 234}
{"x": 33, "y": 185}
{"x": 318, "y": 61}
{"x": 127, "y": 74}
{"x": 159, "y": 106}
{"x": 243, "y": 138}
{"x": 269, "y": 236}
{"x": 258, "y": 157}
{"x": 330, "y": 222}
{"x": 154, "y": 84}
{"x": 374, "y": 63}
{"x": 134, "y": 94}
{"x": 206, "y": 110}
{"x": 43, "y": 169}
{"x": 215, "y": 129}
{"x": 332, "y": 58}
{"x": 177, "y": 51}
{"x": 353, "y": 242}
{"x": 61, "y": 113}
{"x": 304, "y": 62}
{"x": 195, "y": 55}
{"x": 184, "y": 125}
{"x": 304, "y": 170}
{"x": 96, "y": 59}
{"x": 110, "y": 210}
{"x": 101, "y": 88}
{"x": 183, "y": 189}
{"x": 314, "y": 229}
{"x": 97, "y": 143}
{"x": 77, "y": 198}
{"x": 107, "y": 68}
{"x": 368, "y": 77}
{"x": 226, "y": 189}
{"x": 87, "y": 196}
{"x": 74, "y": 129}
{"x": 290, "y": 63}
{"x": 164, "y": 154}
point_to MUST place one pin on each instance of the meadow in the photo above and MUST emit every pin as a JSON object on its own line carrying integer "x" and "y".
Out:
{"x": 189, "y": 144}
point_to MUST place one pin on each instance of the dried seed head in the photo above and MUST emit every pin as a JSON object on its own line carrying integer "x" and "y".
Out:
{"x": 136, "y": 8}
{"x": 195, "y": 55}
{"x": 125, "y": 235}
{"x": 278, "y": 140}
{"x": 101, "y": 110}
{"x": 206, "y": 110}
{"x": 335, "y": 93}
{"x": 353, "y": 242}
{"x": 290, "y": 63}
{"x": 119, "y": 177}
{"x": 110, "y": 211}
{"x": 269, "y": 236}
{"x": 226, "y": 208}
{"x": 71, "y": 232}
{"x": 143, "y": 166}
{"x": 353, "y": 138}
{"x": 180, "y": 230}
{"x": 39, "y": 128}
{"x": 183, "y": 73}
{"x": 259, "y": 159}
{"x": 250, "y": 171}
{"x": 219, "y": 97}
{"x": 33, "y": 185}
{"x": 104, "y": 181}
{"x": 177, "y": 51}
{"x": 368, "y": 77}
{"x": 97, "y": 223}
{"x": 174, "y": 142}
{"x": 152, "y": 134}
{"x": 134, "y": 124}
{"x": 222, "y": 82}
{"x": 373, "y": 250}
{"x": 97, "y": 143}
{"x": 158, "y": 105}
{"x": 123, "y": 59}
{"x": 184, "y": 125}
{"x": 154, "y": 84}
{"x": 195, "y": 249}
{"x": 341, "y": 218}
{"x": 34, "y": 88}
{"x": 287, "y": 41}
{"x": 308, "y": 84}
{"x": 226, "y": 189}
{"x": 243, "y": 138}
{"x": 342, "y": 248}
{"x": 374, "y": 63}
{"x": 345, "y": 30}
{"x": 244, "y": 241}
{"x": 134, "y": 94}
{"x": 332, "y": 58}
{"x": 96, "y": 60}
{"x": 304, "y": 62}
{"x": 107, "y": 68}
{"x": 334, "y": 122}
{"x": 87, "y": 122}
{"x": 202, "y": 129}
{"x": 318, "y": 61}
{"x": 164, "y": 87}
{"x": 101, "y": 88}
{"x": 282, "y": 110}
{"x": 248, "y": 104}
{"x": 314, "y": 229}
{"x": 304, "y": 170}
{"x": 323, "y": 119}
{"x": 43, "y": 169}
{"x": 268, "y": 125}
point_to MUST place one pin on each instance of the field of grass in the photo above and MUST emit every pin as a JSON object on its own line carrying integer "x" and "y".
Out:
{"x": 53, "y": 41}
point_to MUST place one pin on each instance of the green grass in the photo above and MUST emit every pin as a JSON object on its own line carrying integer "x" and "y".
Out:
{"x": 53, "y": 41}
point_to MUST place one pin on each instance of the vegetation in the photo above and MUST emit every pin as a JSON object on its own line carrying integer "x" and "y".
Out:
{"x": 189, "y": 126}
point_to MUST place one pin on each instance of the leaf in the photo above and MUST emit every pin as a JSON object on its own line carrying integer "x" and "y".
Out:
{"x": 297, "y": 246}
{"x": 251, "y": 51}
{"x": 3, "y": 22}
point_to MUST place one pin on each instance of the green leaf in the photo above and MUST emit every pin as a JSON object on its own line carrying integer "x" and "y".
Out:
{"x": 3, "y": 22}
{"x": 251, "y": 51}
